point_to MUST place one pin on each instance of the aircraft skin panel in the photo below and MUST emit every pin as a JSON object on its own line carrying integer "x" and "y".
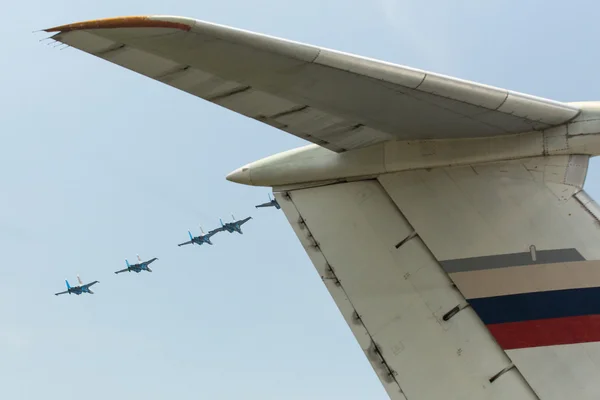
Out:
{"x": 336, "y": 100}
{"x": 522, "y": 248}
{"x": 394, "y": 295}
{"x": 342, "y": 301}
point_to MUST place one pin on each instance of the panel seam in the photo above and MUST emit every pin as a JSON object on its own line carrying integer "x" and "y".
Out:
{"x": 458, "y": 308}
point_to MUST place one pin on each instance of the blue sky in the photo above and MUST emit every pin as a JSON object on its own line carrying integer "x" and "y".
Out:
{"x": 99, "y": 164}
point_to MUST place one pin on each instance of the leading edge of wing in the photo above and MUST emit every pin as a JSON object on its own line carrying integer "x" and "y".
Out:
{"x": 542, "y": 111}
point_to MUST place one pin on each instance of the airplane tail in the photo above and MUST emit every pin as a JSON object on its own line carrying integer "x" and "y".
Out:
{"x": 127, "y": 262}
{"x": 138, "y": 257}
{"x": 68, "y": 286}
{"x": 221, "y": 222}
{"x": 191, "y": 236}
{"x": 149, "y": 270}
{"x": 90, "y": 292}
{"x": 79, "y": 280}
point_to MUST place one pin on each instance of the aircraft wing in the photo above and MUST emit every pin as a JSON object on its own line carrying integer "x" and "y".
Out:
{"x": 150, "y": 261}
{"x": 336, "y": 100}
{"x": 59, "y": 293}
{"x": 122, "y": 270}
{"x": 90, "y": 284}
{"x": 473, "y": 282}
{"x": 269, "y": 204}
{"x": 184, "y": 243}
{"x": 242, "y": 222}
{"x": 216, "y": 230}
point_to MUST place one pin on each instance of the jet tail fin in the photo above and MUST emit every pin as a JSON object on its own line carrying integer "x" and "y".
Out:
{"x": 79, "y": 280}
{"x": 127, "y": 262}
{"x": 191, "y": 237}
{"x": 68, "y": 286}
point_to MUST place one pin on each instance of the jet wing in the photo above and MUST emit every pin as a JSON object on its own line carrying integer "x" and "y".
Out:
{"x": 243, "y": 221}
{"x": 336, "y": 100}
{"x": 59, "y": 293}
{"x": 269, "y": 204}
{"x": 123, "y": 270}
{"x": 90, "y": 284}
{"x": 150, "y": 261}
{"x": 184, "y": 243}
{"x": 474, "y": 282}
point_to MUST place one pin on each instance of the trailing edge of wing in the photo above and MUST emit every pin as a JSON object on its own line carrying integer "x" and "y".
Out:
{"x": 336, "y": 100}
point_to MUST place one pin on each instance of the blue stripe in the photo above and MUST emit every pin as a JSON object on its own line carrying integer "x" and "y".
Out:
{"x": 539, "y": 305}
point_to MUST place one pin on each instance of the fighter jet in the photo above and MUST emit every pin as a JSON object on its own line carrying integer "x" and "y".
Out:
{"x": 200, "y": 239}
{"x": 79, "y": 289}
{"x": 139, "y": 267}
{"x": 235, "y": 226}
{"x": 271, "y": 203}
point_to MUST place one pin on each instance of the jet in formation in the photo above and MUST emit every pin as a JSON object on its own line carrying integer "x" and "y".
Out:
{"x": 200, "y": 239}
{"x": 139, "y": 267}
{"x": 79, "y": 289}
{"x": 270, "y": 203}
{"x": 235, "y": 226}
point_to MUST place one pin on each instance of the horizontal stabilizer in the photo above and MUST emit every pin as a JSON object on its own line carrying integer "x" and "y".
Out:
{"x": 336, "y": 100}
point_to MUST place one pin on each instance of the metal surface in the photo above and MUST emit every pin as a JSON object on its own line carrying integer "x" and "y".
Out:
{"x": 336, "y": 100}
{"x": 394, "y": 295}
{"x": 524, "y": 252}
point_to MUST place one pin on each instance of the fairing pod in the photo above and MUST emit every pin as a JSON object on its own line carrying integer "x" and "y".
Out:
{"x": 314, "y": 164}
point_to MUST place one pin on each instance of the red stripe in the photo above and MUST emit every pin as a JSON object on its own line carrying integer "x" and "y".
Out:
{"x": 547, "y": 332}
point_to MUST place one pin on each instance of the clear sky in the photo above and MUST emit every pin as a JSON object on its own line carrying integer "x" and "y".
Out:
{"x": 98, "y": 164}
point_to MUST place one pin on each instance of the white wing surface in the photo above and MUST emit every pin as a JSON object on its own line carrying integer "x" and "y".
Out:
{"x": 473, "y": 282}
{"x": 337, "y": 100}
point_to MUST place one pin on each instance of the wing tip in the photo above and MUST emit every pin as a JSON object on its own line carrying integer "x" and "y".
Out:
{"x": 138, "y": 21}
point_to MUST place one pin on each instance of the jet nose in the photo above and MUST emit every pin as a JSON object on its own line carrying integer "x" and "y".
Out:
{"x": 240, "y": 175}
